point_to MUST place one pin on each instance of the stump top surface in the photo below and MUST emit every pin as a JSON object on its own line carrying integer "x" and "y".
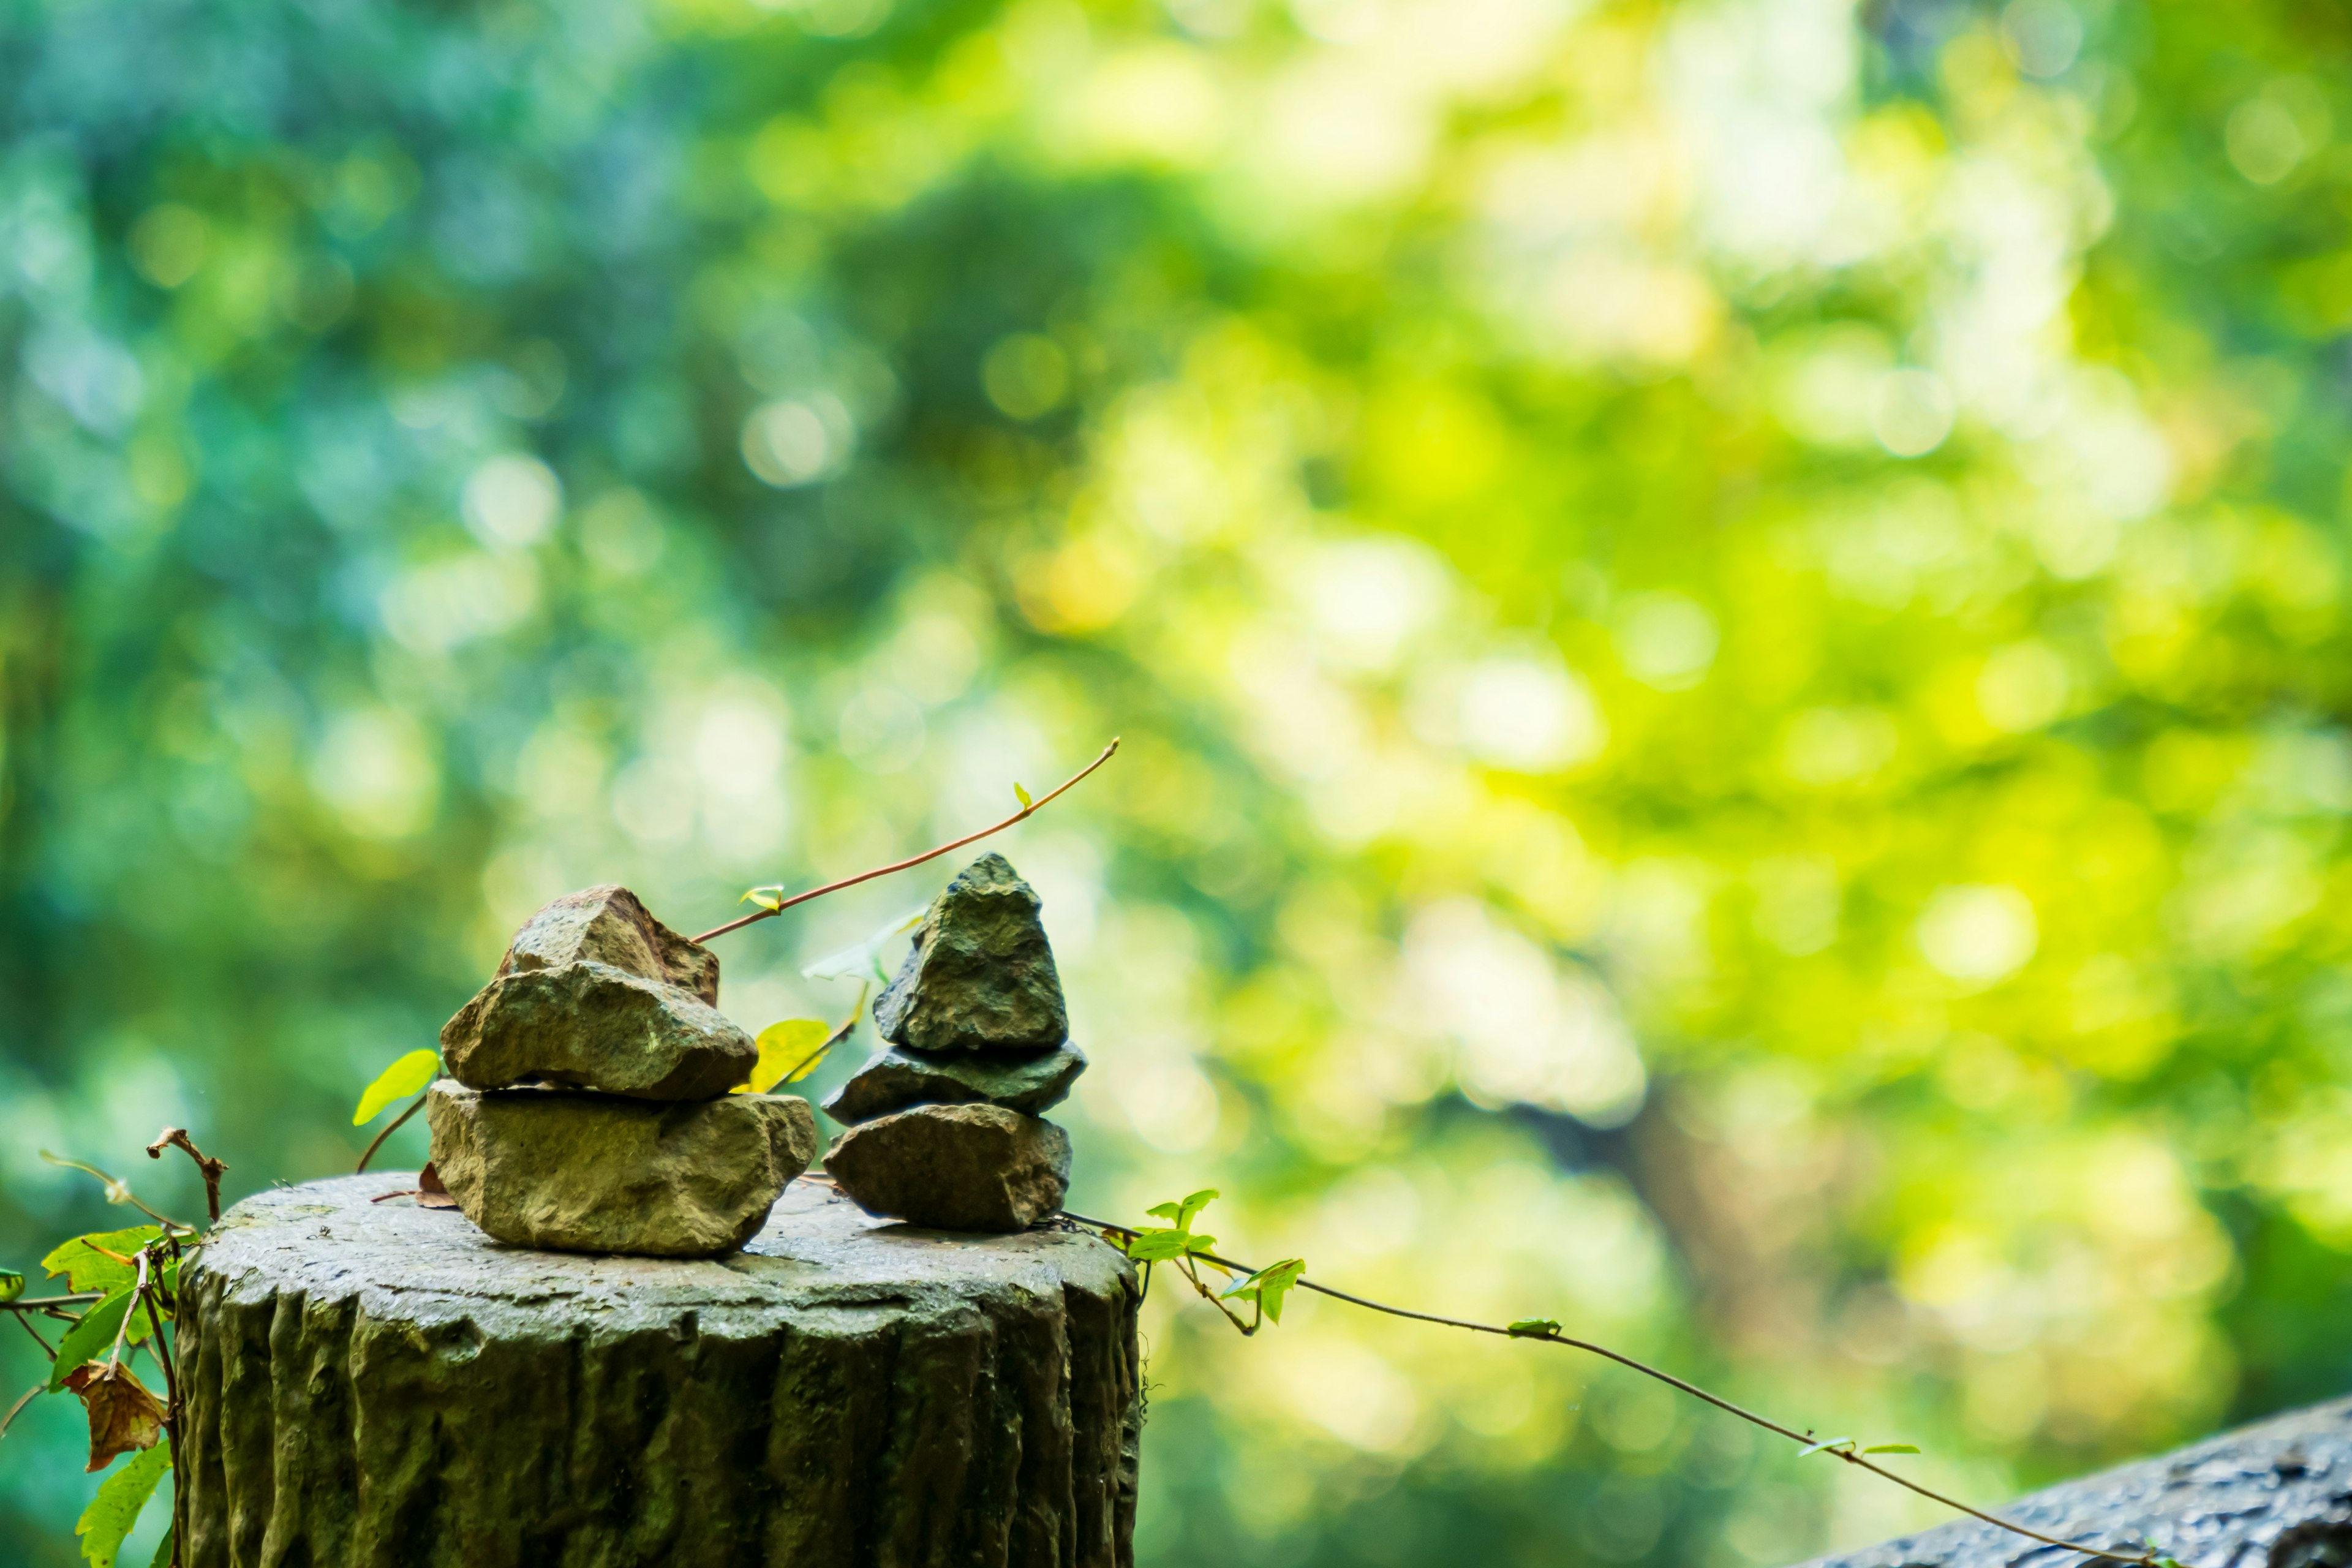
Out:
{"x": 818, "y": 1257}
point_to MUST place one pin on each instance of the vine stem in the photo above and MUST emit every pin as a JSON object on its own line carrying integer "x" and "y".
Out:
{"x": 413, "y": 1106}
{"x": 766, "y": 911}
{"x": 2098, "y": 1554}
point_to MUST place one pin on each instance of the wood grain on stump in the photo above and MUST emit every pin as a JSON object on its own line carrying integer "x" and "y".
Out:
{"x": 382, "y": 1384}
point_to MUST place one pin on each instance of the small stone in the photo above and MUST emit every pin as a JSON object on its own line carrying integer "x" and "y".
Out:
{"x": 609, "y": 924}
{"x": 981, "y": 976}
{"x": 954, "y": 1167}
{"x": 600, "y": 1173}
{"x": 894, "y": 1080}
{"x": 589, "y": 1024}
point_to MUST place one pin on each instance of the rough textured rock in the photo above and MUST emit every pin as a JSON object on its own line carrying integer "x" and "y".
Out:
{"x": 980, "y": 975}
{"x": 892, "y": 1081}
{"x": 597, "y": 1173}
{"x": 954, "y": 1167}
{"x": 2273, "y": 1495}
{"x": 382, "y": 1384}
{"x": 594, "y": 1025}
{"x": 609, "y": 924}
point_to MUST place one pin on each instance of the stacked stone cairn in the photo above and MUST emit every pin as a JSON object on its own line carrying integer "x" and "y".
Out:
{"x": 944, "y": 1130}
{"x": 587, "y": 1107}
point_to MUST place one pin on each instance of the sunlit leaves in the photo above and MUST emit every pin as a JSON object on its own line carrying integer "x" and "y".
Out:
{"x": 122, "y": 1415}
{"x": 12, "y": 1284}
{"x": 769, "y": 899}
{"x": 115, "y": 1509}
{"x": 1163, "y": 1244}
{"x": 1023, "y": 796}
{"x": 1268, "y": 1286}
{"x": 102, "y": 1259}
{"x": 404, "y": 1078}
{"x": 789, "y": 1052}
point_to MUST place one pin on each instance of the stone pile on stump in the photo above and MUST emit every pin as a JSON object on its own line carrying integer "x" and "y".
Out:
{"x": 944, "y": 1128}
{"x": 590, "y": 1109}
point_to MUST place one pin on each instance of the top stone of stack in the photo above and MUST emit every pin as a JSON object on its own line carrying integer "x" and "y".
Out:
{"x": 980, "y": 977}
{"x": 596, "y": 994}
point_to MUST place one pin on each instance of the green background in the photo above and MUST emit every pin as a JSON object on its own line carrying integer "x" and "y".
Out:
{"x": 1727, "y": 619}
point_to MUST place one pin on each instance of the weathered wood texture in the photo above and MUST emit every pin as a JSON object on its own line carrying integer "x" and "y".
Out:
{"x": 382, "y": 1384}
{"x": 2275, "y": 1495}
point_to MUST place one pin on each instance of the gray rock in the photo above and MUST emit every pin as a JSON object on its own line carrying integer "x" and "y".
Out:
{"x": 600, "y": 1173}
{"x": 894, "y": 1080}
{"x": 609, "y": 924}
{"x": 981, "y": 976}
{"x": 954, "y": 1167}
{"x": 589, "y": 1024}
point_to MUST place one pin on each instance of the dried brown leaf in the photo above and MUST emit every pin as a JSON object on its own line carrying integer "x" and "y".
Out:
{"x": 122, "y": 1415}
{"x": 430, "y": 1192}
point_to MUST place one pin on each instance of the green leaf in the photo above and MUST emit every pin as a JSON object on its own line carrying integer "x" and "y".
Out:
{"x": 766, "y": 898}
{"x": 1532, "y": 1328}
{"x": 116, "y": 1507}
{"x": 90, "y": 1337}
{"x": 1824, "y": 1444}
{"x": 1023, "y": 794}
{"x": 12, "y": 1284}
{"x": 1269, "y": 1285}
{"x": 789, "y": 1052}
{"x": 101, "y": 1260}
{"x": 865, "y": 959}
{"x": 1892, "y": 1448}
{"x": 1165, "y": 1246}
{"x": 404, "y": 1078}
{"x": 162, "y": 1558}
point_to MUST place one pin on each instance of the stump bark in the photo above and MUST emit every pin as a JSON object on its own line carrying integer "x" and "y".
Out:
{"x": 379, "y": 1384}
{"x": 2275, "y": 1495}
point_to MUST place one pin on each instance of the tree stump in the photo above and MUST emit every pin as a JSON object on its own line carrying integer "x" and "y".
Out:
{"x": 380, "y": 1384}
{"x": 2275, "y": 1495}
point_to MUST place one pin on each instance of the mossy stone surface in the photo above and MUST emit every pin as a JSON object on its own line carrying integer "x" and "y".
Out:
{"x": 954, "y": 1167}
{"x": 599, "y": 1173}
{"x": 589, "y": 1024}
{"x": 980, "y": 975}
{"x": 1029, "y": 1082}
{"x": 381, "y": 1385}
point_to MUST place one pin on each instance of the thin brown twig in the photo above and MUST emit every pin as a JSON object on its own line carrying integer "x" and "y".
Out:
{"x": 26, "y": 1398}
{"x": 767, "y": 912}
{"x": 36, "y": 1336}
{"x": 177, "y": 1138}
{"x": 162, "y": 1353}
{"x": 41, "y": 1303}
{"x": 117, "y": 1190}
{"x": 413, "y": 1105}
{"x": 2098, "y": 1554}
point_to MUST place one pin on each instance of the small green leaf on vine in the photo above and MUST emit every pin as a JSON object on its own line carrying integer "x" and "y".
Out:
{"x": 1533, "y": 1328}
{"x": 12, "y": 1284}
{"x": 116, "y": 1507}
{"x": 1023, "y": 795}
{"x": 404, "y": 1078}
{"x": 769, "y": 899}
{"x": 789, "y": 1052}
{"x": 1267, "y": 1287}
{"x": 1892, "y": 1448}
{"x": 1825, "y": 1444}
{"x": 102, "y": 1259}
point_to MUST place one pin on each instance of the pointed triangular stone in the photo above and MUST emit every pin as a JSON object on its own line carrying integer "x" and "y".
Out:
{"x": 610, "y": 924}
{"x": 980, "y": 977}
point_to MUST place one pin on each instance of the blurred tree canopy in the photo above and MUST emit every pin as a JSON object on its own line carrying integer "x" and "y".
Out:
{"x": 1728, "y": 617}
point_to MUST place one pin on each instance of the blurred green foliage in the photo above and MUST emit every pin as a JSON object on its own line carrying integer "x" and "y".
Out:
{"x": 1728, "y": 617}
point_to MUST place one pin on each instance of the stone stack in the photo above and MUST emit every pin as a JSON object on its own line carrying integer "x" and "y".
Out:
{"x": 590, "y": 1111}
{"x": 944, "y": 1130}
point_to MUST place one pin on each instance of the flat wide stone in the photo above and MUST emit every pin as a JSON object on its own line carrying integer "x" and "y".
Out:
{"x": 892, "y": 1081}
{"x": 954, "y": 1167}
{"x": 610, "y": 924}
{"x": 600, "y": 1173}
{"x": 981, "y": 976}
{"x": 591, "y": 1025}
